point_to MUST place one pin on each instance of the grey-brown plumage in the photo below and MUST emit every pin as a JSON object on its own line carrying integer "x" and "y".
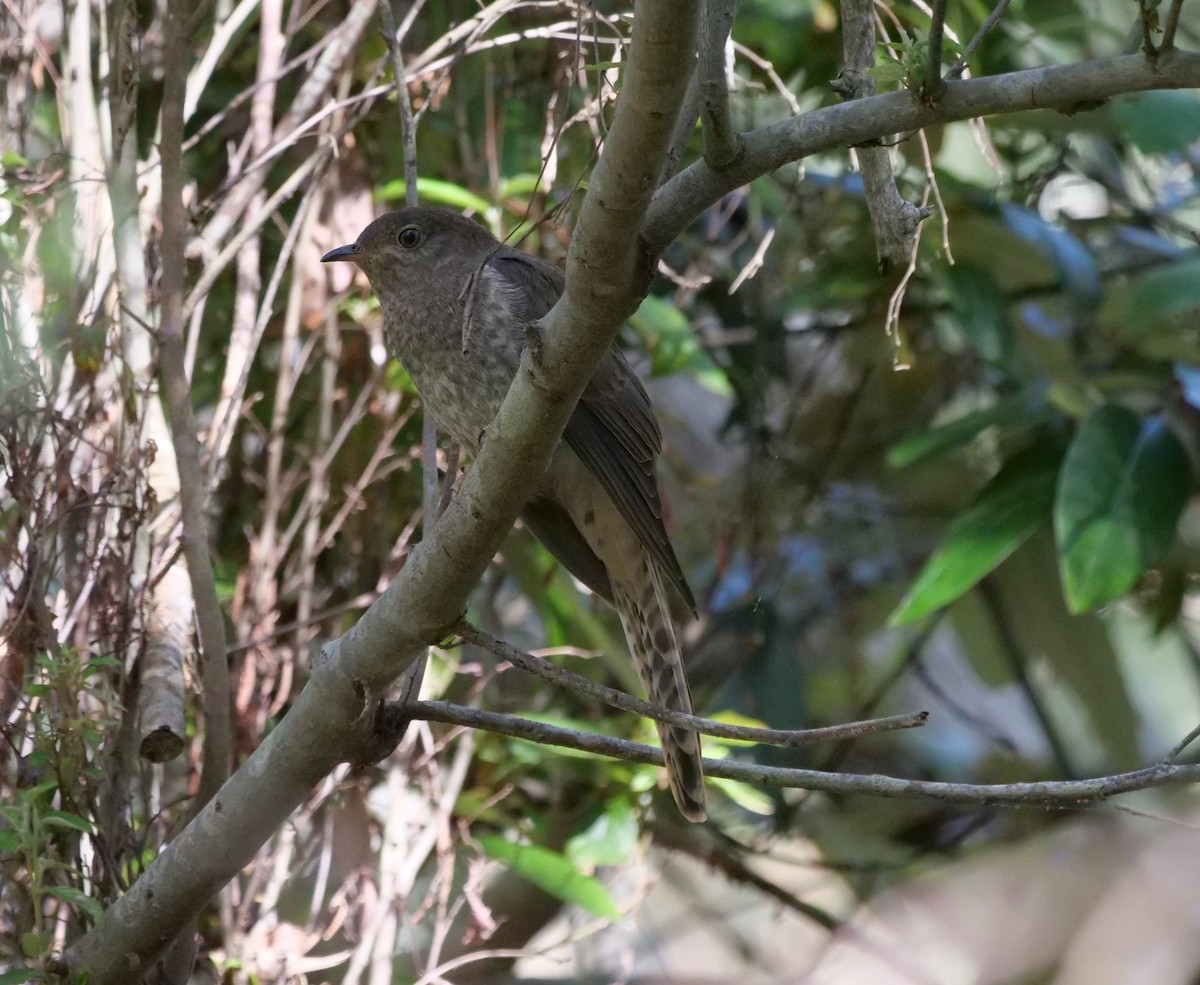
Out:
{"x": 597, "y": 508}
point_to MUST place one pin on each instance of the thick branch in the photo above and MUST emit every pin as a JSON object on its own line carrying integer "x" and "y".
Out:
{"x": 1066, "y": 88}
{"x": 608, "y": 272}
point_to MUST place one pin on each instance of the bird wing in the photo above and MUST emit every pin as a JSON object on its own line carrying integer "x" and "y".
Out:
{"x": 613, "y": 430}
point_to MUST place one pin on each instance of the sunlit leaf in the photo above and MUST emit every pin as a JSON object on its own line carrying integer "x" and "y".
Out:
{"x": 434, "y": 190}
{"x": 1124, "y": 483}
{"x": 610, "y": 839}
{"x": 1006, "y": 512}
{"x": 554, "y": 873}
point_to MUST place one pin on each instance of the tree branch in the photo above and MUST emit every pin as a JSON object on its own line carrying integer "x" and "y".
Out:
{"x": 1060, "y": 87}
{"x": 707, "y": 726}
{"x": 608, "y": 273}
{"x": 1048, "y": 793}
{"x": 895, "y": 220}
{"x": 721, "y": 143}
{"x": 193, "y": 491}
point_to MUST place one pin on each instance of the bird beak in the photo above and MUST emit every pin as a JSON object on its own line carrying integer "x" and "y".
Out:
{"x": 349, "y": 252}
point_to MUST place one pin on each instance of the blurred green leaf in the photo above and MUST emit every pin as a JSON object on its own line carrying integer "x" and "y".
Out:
{"x": 1124, "y": 483}
{"x": 1024, "y": 409}
{"x": 18, "y": 976}
{"x": 77, "y": 898}
{"x": 608, "y": 840}
{"x": 554, "y": 873}
{"x": 673, "y": 346}
{"x": 746, "y": 796}
{"x": 1160, "y": 122}
{"x": 1166, "y": 290}
{"x": 433, "y": 190}
{"x": 981, "y": 312}
{"x": 1006, "y": 512}
{"x": 61, "y": 819}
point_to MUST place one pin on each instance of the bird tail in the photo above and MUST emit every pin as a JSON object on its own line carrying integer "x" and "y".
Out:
{"x": 645, "y": 615}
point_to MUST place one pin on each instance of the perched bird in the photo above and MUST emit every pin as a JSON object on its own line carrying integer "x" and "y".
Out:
{"x": 597, "y": 508}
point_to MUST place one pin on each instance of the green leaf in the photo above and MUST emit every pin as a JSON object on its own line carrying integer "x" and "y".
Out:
{"x": 1160, "y": 122}
{"x": 433, "y": 190}
{"x": 1124, "y": 483}
{"x": 1166, "y": 290}
{"x": 61, "y": 819}
{"x": 673, "y": 346}
{"x": 610, "y": 839}
{"x": 1025, "y": 409}
{"x": 35, "y": 943}
{"x": 554, "y": 873}
{"x": 981, "y": 312}
{"x": 18, "y": 976}
{"x": 1006, "y": 512}
{"x": 745, "y": 795}
{"x": 77, "y": 898}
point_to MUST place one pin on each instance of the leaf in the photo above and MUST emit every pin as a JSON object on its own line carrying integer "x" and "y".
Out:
{"x": 35, "y": 943}
{"x": 61, "y": 819}
{"x": 1123, "y": 485}
{"x": 673, "y": 346}
{"x": 554, "y": 873}
{"x": 745, "y": 795}
{"x": 18, "y": 976}
{"x": 1166, "y": 290}
{"x": 1025, "y": 409}
{"x": 981, "y": 312}
{"x": 1160, "y": 122}
{"x": 1006, "y": 512}
{"x": 609, "y": 839}
{"x": 77, "y": 898}
{"x": 433, "y": 190}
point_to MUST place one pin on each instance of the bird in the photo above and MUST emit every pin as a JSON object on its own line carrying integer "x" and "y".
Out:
{"x": 455, "y": 301}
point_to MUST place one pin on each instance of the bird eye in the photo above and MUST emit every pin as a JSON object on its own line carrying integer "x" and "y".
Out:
{"x": 409, "y": 237}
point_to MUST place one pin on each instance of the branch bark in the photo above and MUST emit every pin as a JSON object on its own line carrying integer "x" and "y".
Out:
{"x": 895, "y": 220}
{"x": 1065, "y": 88}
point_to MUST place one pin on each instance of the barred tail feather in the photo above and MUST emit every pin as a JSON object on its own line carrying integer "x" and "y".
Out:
{"x": 645, "y": 614}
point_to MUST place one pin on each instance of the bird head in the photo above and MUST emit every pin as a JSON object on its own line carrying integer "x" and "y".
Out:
{"x": 416, "y": 242}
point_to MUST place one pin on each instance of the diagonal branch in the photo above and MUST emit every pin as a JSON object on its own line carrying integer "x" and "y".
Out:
{"x": 608, "y": 273}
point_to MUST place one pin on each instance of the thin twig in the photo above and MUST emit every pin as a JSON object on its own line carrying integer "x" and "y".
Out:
{"x": 933, "y": 67}
{"x": 1049, "y": 793}
{"x": 1170, "y": 25}
{"x": 1182, "y": 744}
{"x": 619, "y": 699}
{"x": 218, "y": 729}
{"x": 993, "y": 18}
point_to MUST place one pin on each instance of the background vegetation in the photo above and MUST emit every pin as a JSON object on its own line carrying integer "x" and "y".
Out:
{"x": 963, "y": 488}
